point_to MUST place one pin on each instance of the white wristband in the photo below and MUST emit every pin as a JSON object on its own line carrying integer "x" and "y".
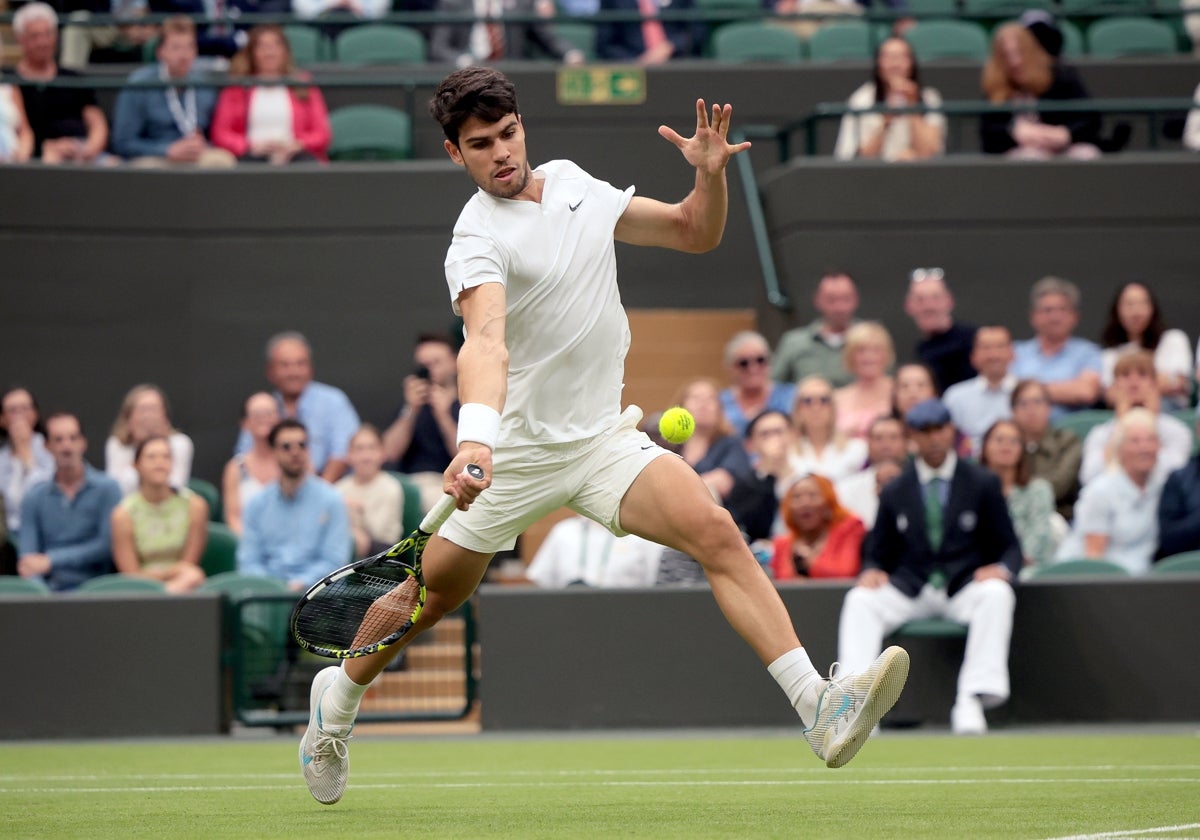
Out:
{"x": 478, "y": 423}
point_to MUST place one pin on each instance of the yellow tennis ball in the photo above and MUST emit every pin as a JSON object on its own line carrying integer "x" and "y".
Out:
{"x": 676, "y": 425}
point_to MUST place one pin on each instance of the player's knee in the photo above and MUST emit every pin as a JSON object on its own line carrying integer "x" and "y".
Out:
{"x": 712, "y": 534}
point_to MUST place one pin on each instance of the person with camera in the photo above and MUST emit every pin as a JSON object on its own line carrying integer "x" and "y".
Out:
{"x": 422, "y": 439}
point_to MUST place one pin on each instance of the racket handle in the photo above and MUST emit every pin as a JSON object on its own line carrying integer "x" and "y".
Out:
{"x": 440, "y": 512}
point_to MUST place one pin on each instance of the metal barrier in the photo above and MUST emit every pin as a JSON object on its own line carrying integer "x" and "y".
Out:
{"x": 436, "y": 678}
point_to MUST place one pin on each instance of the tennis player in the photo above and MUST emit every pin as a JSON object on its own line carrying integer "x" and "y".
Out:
{"x": 532, "y": 271}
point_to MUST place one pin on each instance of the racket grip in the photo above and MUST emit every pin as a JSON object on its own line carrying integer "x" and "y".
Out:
{"x": 440, "y": 512}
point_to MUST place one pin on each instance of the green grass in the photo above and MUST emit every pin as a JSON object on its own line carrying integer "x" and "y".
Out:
{"x": 685, "y": 786}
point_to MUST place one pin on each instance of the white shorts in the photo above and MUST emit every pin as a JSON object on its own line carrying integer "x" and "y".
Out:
{"x": 589, "y": 476}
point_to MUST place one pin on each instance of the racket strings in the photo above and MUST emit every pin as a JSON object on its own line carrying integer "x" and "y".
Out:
{"x": 360, "y": 610}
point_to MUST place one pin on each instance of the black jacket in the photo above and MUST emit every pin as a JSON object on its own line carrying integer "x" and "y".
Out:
{"x": 994, "y": 129}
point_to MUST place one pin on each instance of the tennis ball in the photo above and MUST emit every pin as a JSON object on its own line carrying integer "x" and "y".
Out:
{"x": 677, "y": 424}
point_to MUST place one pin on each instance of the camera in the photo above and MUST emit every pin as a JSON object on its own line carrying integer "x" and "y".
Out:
{"x": 421, "y": 372}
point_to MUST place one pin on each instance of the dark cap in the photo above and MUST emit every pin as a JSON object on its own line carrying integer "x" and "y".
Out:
{"x": 1043, "y": 28}
{"x": 927, "y": 414}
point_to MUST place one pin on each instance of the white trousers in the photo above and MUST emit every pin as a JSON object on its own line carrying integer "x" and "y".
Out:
{"x": 870, "y": 615}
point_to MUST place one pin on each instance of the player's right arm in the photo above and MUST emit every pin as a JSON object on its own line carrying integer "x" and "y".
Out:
{"x": 482, "y": 381}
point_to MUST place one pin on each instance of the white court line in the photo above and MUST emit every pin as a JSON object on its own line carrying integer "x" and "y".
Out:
{"x": 1133, "y": 832}
{"x": 525, "y": 784}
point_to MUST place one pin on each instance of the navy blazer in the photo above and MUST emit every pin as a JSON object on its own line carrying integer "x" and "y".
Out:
{"x": 977, "y": 532}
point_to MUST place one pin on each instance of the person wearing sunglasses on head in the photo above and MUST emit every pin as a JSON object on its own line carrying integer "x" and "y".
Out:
{"x": 751, "y": 390}
{"x": 945, "y": 344}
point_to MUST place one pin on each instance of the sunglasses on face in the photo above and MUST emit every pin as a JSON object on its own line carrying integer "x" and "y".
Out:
{"x": 920, "y": 275}
{"x": 751, "y": 361}
{"x": 823, "y": 399}
{"x": 288, "y": 446}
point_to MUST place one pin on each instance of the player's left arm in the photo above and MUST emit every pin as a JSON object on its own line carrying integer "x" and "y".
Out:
{"x": 696, "y": 224}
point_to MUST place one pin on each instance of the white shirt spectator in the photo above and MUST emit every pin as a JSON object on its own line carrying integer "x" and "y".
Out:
{"x": 1175, "y": 439}
{"x": 580, "y": 551}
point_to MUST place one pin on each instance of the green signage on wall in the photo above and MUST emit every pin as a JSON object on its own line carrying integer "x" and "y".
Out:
{"x": 601, "y": 86}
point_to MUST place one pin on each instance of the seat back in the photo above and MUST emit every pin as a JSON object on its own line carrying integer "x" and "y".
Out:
{"x": 220, "y": 552}
{"x": 935, "y": 40}
{"x": 380, "y": 43}
{"x": 13, "y": 586}
{"x": 1081, "y": 567}
{"x": 1186, "y": 561}
{"x": 118, "y": 583}
{"x": 843, "y": 40}
{"x": 581, "y": 34}
{"x": 1082, "y": 422}
{"x": 370, "y": 132}
{"x": 1118, "y": 37}
{"x": 413, "y": 512}
{"x": 756, "y": 41}
{"x": 211, "y": 495}
{"x": 309, "y": 46}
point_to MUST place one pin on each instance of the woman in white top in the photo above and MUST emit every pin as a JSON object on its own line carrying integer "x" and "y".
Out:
{"x": 374, "y": 499}
{"x": 247, "y": 473}
{"x": 16, "y": 137}
{"x": 24, "y": 459}
{"x": 1135, "y": 321}
{"x": 896, "y": 83}
{"x": 820, "y": 448}
{"x": 144, "y": 414}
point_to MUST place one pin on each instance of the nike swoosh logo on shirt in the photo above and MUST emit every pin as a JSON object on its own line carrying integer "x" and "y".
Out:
{"x": 575, "y": 206}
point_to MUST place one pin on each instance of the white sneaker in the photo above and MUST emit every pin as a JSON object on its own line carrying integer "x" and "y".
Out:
{"x": 850, "y": 706}
{"x": 324, "y": 756}
{"x": 966, "y": 716}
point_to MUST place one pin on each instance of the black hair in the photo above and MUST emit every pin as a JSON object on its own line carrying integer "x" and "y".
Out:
{"x": 472, "y": 92}
{"x": 285, "y": 423}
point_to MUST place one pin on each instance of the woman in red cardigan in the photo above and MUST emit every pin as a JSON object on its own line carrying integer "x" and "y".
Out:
{"x": 270, "y": 123}
{"x": 823, "y": 539}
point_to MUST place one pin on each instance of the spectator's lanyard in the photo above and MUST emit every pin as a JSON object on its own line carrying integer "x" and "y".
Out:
{"x": 182, "y": 112}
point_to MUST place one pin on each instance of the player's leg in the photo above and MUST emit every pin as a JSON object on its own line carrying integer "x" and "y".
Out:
{"x": 986, "y": 607}
{"x": 451, "y": 573}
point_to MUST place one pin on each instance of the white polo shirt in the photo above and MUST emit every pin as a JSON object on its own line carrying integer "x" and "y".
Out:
{"x": 566, "y": 331}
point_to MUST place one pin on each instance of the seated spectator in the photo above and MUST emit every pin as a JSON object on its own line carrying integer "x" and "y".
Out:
{"x": 506, "y": 36}
{"x": 869, "y": 355}
{"x": 896, "y": 83}
{"x": 24, "y": 459}
{"x": 160, "y": 126}
{"x": 374, "y": 499}
{"x": 1179, "y": 509}
{"x": 979, "y": 402}
{"x": 820, "y": 447}
{"x": 1135, "y": 385}
{"x": 714, "y": 450}
{"x": 1116, "y": 518}
{"x": 352, "y": 9}
{"x": 754, "y": 500}
{"x": 1135, "y": 320}
{"x": 270, "y": 123}
{"x": 823, "y": 539}
{"x": 1050, "y": 452}
{"x": 1069, "y": 367}
{"x": 422, "y": 439}
{"x": 85, "y": 43}
{"x": 1030, "y": 500}
{"x": 1024, "y": 69}
{"x": 325, "y": 411}
{"x": 16, "y": 137}
{"x": 143, "y": 415}
{"x": 816, "y": 349}
{"x": 66, "y": 534}
{"x": 296, "y": 530}
{"x": 67, "y": 123}
{"x": 801, "y": 16}
{"x": 219, "y": 39}
{"x": 650, "y": 40}
{"x": 945, "y": 345}
{"x": 914, "y": 383}
{"x": 751, "y": 390}
{"x": 1191, "y": 128}
{"x": 887, "y": 450}
{"x": 580, "y": 552}
{"x": 248, "y": 473}
{"x": 158, "y": 531}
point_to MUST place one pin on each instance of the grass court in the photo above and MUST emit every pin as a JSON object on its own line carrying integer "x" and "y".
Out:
{"x": 760, "y": 784}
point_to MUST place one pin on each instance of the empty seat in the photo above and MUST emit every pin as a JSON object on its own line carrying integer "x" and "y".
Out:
{"x": 370, "y": 132}
{"x": 756, "y": 41}
{"x": 1117, "y": 37}
{"x": 935, "y": 40}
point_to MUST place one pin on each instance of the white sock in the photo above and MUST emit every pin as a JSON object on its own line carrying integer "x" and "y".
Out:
{"x": 339, "y": 704}
{"x": 800, "y": 681}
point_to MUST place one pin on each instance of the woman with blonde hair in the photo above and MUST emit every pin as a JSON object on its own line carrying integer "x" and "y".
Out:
{"x": 823, "y": 539}
{"x": 269, "y": 122}
{"x": 820, "y": 446}
{"x": 714, "y": 450}
{"x": 869, "y": 355}
{"x": 144, "y": 414}
{"x": 1024, "y": 69}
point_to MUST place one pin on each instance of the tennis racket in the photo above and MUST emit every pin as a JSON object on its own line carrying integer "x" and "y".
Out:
{"x": 368, "y": 605}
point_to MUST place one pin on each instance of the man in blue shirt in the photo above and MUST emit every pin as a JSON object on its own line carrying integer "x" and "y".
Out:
{"x": 157, "y": 124}
{"x": 324, "y": 410}
{"x": 66, "y": 534}
{"x": 977, "y": 403}
{"x": 1069, "y": 367}
{"x": 297, "y": 529}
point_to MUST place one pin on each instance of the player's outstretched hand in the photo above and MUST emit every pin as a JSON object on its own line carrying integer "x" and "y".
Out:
{"x": 708, "y": 149}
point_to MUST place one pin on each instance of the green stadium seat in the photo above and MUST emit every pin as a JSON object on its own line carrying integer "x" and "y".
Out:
{"x": 1079, "y": 568}
{"x": 118, "y": 583}
{"x": 848, "y": 40}
{"x": 413, "y": 512}
{"x": 1073, "y": 44}
{"x": 308, "y": 44}
{"x": 756, "y": 41}
{"x": 212, "y": 497}
{"x": 238, "y": 586}
{"x": 1100, "y": 8}
{"x": 1082, "y": 422}
{"x": 370, "y": 132}
{"x": 1119, "y": 37}
{"x": 1187, "y": 561}
{"x": 220, "y": 552}
{"x": 936, "y": 40}
{"x": 380, "y": 43}
{"x": 995, "y": 8}
{"x": 579, "y": 33}
{"x": 921, "y": 9}
{"x": 13, "y": 586}
{"x": 932, "y": 628}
